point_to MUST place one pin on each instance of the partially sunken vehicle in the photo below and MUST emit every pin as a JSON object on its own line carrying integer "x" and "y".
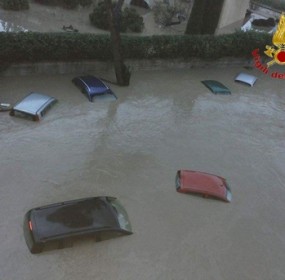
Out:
{"x": 51, "y": 226}
{"x": 246, "y": 79}
{"x": 205, "y": 184}
{"x": 92, "y": 87}
{"x": 34, "y": 106}
{"x": 216, "y": 87}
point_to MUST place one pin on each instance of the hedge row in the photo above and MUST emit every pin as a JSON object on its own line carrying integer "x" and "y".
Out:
{"x": 70, "y": 4}
{"x": 15, "y": 4}
{"x": 39, "y": 47}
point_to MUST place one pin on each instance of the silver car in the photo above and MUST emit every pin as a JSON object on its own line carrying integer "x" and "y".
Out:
{"x": 33, "y": 106}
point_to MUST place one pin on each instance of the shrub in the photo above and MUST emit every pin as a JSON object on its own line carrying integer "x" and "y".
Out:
{"x": 15, "y": 4}
{"x": 163, "y": 13}
{"x": 85, "y": 3}
{"x": 36, "y": 47}
{"x": 130, "y": 19}
{"x": 99, "y": 16}
{"x": 69, "y": 4}
{"x": 47, "y": 2}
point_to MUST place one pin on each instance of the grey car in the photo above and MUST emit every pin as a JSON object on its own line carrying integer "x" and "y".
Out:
{"x": 33, "y": 106}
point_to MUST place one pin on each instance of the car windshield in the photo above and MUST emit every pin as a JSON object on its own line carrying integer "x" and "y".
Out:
{"x": 121, "y": 215}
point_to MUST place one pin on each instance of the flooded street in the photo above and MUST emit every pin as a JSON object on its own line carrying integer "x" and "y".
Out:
{"x": 42, "y": 18}
{"x": 131, "y": 149}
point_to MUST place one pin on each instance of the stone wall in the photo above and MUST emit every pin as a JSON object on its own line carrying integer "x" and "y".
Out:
{"x": 84, "y": 67}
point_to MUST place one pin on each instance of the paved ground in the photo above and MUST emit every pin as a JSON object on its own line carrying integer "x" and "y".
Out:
{"x": 131, "y": 149}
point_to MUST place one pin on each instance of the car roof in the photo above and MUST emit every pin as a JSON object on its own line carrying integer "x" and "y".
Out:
{"x": 246, "y": 79}
{"x": 92, "y": 82}
{"x": 33, "y": 102}
{"x": 216, "y": 87}
{"x": 73, "y": 217}
{"x": 204, "y": 183}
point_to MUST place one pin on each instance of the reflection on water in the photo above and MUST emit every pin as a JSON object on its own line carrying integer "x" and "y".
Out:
{"x": 10, "y": 27}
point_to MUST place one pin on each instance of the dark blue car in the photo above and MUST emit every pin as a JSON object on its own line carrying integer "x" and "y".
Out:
{"x": 92, "y": 86}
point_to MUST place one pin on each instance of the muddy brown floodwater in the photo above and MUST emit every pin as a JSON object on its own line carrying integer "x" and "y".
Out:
{"x": 131, "y": 148}
{"x": 42, "y": 18}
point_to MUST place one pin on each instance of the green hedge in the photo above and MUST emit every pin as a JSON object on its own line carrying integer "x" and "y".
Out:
{"x": 69, "y": 4}
{"x": 15, "y": 5}
{"x": 36, "y": 47}
{"x": 130, "y": 19}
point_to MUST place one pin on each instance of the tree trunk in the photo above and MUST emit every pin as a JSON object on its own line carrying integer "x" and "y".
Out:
{"x": 114, "y": 17}
{"x": 204, "y": 17}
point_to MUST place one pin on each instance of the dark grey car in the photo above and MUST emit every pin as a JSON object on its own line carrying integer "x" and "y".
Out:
{"x": 56, "y": 223}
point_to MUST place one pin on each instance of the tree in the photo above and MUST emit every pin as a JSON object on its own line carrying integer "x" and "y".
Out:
{"x": 204, "y": 17}
{"x": 123, "y": 74}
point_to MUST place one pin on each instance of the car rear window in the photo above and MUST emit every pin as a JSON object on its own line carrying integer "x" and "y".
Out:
{"x": 72, "y": 218}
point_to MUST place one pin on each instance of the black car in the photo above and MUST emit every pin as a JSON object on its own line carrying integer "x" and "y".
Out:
{"x": 59, "y": 222}
{"x": 92, "y": 86}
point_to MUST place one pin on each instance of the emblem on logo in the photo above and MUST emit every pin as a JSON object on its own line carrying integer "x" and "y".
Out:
{"x": 278, "y": 41}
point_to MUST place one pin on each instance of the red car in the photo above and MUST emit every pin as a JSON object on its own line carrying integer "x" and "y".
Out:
{"x": 188, "y": 181}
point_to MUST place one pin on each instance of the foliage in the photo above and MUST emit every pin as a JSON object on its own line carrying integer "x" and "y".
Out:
{"x": 47, "y": 2}
{"x": 163, "y": 13}
{"x": 99, "y": 16}
{"x": 69, "y": 4}
{"x": 85, "y": 3}
{"x": 130, "y": 19}
{"x": 15, "y": 4}
{"x": 36, "y": 47}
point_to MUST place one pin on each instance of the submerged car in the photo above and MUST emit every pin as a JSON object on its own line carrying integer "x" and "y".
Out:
{"x": 92, "y": 86}
{"x": 5, "y": 107}
{"x": 33, "y": 106}
{"x": 54, "y": 224}
{"x": 216, "y": 87}
{"x": 246, "y": 79}
{"x": 205, "y": 184}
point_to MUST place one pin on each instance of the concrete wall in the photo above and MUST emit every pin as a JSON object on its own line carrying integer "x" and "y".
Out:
{"x": 85, "y": 67}
{"x": 233, "y": 11}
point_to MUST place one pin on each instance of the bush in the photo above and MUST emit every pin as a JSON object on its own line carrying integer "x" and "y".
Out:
{"x": 85, "y": 3}
{"x": 99, "y": 16}
{"x": 130, "y": 19}
{"x": 163, "y": 13}
{"x": 46, "y": 2}
{"x": 15, "y": 4}
{"x": 37, "y": 47}
{"x": 69, "y": 4}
